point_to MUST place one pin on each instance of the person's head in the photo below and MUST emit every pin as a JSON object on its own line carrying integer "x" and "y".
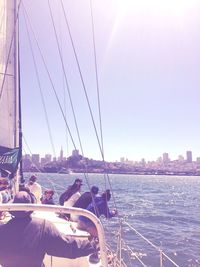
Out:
{"x": 78, "y": 182}
{"x": 22, "y": 197}
{"x": 106, "y": 195}
{"x": 94, "y": 190}
{"x": 48, "y": 193}
{"x": 22, "y": 187}
{"x": 32, "y": 179}
{"x": 76, "y": 185}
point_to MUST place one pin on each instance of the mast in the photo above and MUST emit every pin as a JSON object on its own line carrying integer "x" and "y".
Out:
{"x": 9, "y": 88}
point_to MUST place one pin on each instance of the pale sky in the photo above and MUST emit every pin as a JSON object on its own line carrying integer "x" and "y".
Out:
{"x": 148, "y": 64}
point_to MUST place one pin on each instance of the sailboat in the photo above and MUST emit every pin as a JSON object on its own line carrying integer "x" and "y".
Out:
{"x": 11, "y": 151}
{"x": 11, "y": 143}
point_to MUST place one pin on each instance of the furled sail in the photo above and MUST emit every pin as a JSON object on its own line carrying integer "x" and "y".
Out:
{"x": 9, "y": 89}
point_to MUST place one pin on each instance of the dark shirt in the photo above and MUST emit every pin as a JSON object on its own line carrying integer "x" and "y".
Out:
{"x": 84, "y": 200}
{"x": 47, "y": 201}
{"x": 100, "y": 208}
{"x": 25, "y": 241}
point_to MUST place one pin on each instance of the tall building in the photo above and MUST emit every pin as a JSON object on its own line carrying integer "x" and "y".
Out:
{"x": 166, "y": 158}
{"x": 189, "y": 156}
{"x": 26, "y": 162}
{"x": 75, "y": 153}
{"x": 61, "y": 154}
{"x": 36, "y": 159}
{"x": 48, "y": 158}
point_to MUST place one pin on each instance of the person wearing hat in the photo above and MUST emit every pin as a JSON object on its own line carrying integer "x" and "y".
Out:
{"x": 35, "y": 188}
{"x": 47, "y": 197}
{"x": 25, "y": 239}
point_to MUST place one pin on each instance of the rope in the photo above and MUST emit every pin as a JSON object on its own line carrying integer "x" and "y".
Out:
{"x": 51, "y": 82}
{"x": 82, "y": 80}
{"x": 40, "y": 88}
{"x": 65, "y": 76}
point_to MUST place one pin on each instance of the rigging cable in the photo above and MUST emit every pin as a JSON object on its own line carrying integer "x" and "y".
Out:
{"x": 99, "y": 106}
{"x": 40, "y": 88}
{"x": 50, "y": 79}
{"x": 53, "y": 87}
{"x": 81, "y": 77}
{"x": 69, "y": 94}
{"x": 65, "y": 76}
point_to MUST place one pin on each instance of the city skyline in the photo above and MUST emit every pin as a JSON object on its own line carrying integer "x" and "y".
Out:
{"x": 165, "y": 157}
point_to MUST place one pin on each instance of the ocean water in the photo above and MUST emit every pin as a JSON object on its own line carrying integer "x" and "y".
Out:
{"x": 164, "y": 209}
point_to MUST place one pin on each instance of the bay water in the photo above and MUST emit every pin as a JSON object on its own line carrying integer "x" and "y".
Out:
{"x": 164, "y": 209}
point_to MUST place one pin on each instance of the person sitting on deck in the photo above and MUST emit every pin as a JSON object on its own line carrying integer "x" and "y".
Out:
{"x": 98, "y": 207}
{"x": 47, "y": 197}
{"x": 35, "y": 188}
{"x": 25, "y": 240}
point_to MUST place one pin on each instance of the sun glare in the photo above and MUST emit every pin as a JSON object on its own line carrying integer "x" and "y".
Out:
{"x": 173, "y": 7}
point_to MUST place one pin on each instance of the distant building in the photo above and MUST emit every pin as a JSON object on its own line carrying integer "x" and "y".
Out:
{"x": 180, "y": 158}
{"x": 48, "y": 158}
{"x": 61, "y": 154}
{"x": 166, "y": 158}
{"x": 189, "y": 156}
{"x": 198, "y": 159}
{"x": 143, "y": 162}
{"x": 43, "y": 161}
{"x": 122, "y": 159}
{"x": 36, "y": 160}
{"x": 26, "y": 162}
{"x": 75, "y": 153}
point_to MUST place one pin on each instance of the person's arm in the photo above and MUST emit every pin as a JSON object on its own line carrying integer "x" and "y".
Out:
{"x": 57, "y": 245}
{"x": 104, "y": 210}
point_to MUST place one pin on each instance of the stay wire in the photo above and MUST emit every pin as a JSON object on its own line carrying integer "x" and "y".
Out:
{"x": 53, "y": 87}
{"x": 40, "y": 87}
{"x": 65, "y": 76}
{"x": 69, "y": 94}
{"x": 51, "y": 81}
{"x": 99, "y": 105}
{"x": 82, "y": 80}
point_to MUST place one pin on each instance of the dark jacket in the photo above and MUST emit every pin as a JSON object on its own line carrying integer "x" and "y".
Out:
{"x": 25, "y": 241}
{"x": 84, "y": 200}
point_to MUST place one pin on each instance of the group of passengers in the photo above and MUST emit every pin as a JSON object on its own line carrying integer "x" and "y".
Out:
{"x": 15, "y": 247}
{"x": 72, "y": 197}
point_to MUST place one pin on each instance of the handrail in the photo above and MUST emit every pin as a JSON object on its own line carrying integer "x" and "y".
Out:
{"x": 154, "y": 246}
{"x": 61, "y": 209}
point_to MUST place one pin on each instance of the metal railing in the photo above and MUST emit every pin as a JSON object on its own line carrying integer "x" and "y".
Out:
{"x": 61, "y": 209}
